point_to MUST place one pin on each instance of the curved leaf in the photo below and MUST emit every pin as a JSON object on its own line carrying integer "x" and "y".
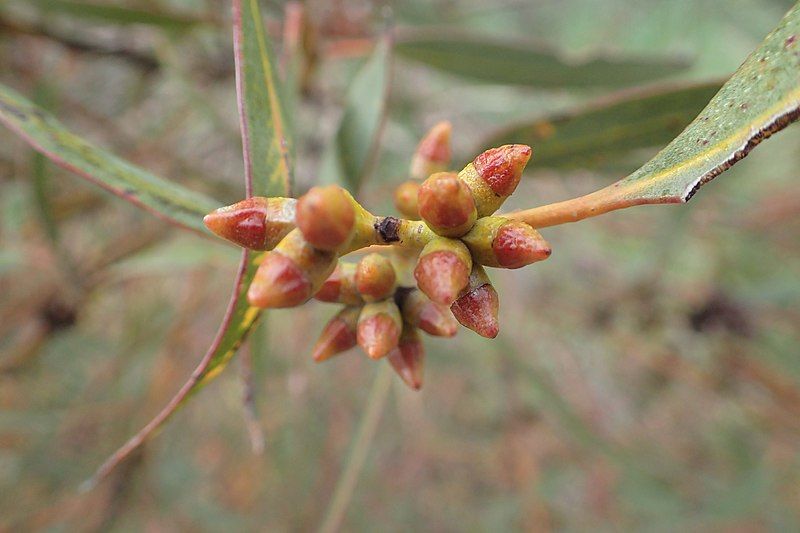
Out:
{"x": 594, "y": 135}
{"x": 517, "y": 62}
{"x": 349, "y": 158}
{"x": 761, "y": 98}
{"x": 267, "y": 172}
{"x": 116, "y": 14}
{"x": 163, "y": 198}
{"x": 266, "y": 136}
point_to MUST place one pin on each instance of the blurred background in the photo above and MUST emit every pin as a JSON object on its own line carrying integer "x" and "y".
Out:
{"x": 647, "y": 376}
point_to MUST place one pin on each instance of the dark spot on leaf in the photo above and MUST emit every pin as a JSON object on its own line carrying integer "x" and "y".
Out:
{"x": 744, "y": 106}
{"x": 790, "y": 41}
{"x": 777, "y": 125}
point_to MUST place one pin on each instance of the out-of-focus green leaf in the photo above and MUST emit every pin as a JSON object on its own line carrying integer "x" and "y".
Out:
{"x": 349, "y": 158}
{"x": 515, "y": 62}
{"x": 267, "y": 172}
{"x": 266, "y": 132}
{"x": 761, "y": 98}
{"x": 116, "y": 14}
{"x": 592, "y": 136}
{"x": 41, "y": 130}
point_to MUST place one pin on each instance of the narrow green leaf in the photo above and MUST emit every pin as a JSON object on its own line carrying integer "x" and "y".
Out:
{"x": 115, "y": 14}
{"x": 761, "y": 98}
{"x": 349, "y": 158}
{"x": 516, "y": 62}
{"x": 266, "y": 150}
{"x": 266, "y": 132}
{"x": 595, "y": 135}
{"x": 41, "y": 130}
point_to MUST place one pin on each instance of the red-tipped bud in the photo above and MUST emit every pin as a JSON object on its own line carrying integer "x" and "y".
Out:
{"x": 446, "y": 204}
{"x": 517, "y": 244}
{"x": 338, "y": 336}
{"x": 326, "y": 216}
{"x": 432, "y": 318}
{"x": 443, "y": 269}
{"x": 500, "y": 242}
{"x": 256, "y": 223}
{"x": 289, "y": 275}
{"x": 408, "y": 359}
{"x": 494, "y": 175}
{"x": 375, "y": 277}
{"x": 379, "y": 326}
{"x": 433, "y": 152}
{"x": 340, "y": 287}
{"x": 279, "y": 282}
{"x": 477, "y": 307}
{"x": 405, "y": 199}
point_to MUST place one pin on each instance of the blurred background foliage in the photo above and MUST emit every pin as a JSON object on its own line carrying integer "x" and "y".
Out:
{"x": 646, "y": 376}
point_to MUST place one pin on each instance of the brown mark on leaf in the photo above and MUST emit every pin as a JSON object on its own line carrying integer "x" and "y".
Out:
{"x": 764, "y": 133}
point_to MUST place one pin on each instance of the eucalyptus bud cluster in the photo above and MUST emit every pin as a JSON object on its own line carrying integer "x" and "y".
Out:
{"x": 450, "y": 226}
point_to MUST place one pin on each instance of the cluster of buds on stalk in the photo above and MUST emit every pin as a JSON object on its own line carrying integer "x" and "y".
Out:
{"x": 449, "y": 224}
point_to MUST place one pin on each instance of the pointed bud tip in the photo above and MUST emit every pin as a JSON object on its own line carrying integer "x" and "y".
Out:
{"x": 326, "y": 217}
{"x": 278, "y": 283}
{"x": 378, "y": 335}
{"x": 441, "y": 275}
{"x": 433, "y": 152}
{"x": 478, "y": 311}
{"x": 331, "y": 287}
{"x": 338, "y": 336}
{"x": 517, "y": 244}
{"x": 435, "y": 146}
{"x": 434, "y": 319}
{"x": 408, "y": 359}
{"x": 502, "y": 167}
{"x": 243, "y": 223}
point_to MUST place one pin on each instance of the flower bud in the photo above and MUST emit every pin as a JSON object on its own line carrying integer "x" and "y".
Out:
{"x": 408, "y": 359}
{"x": 256, "y": 223}
{"x": 338, "y": 336}
{"x": 494, "y": 175}
{"x": 433, "y": 152}
{"x": 419, "y": 311}
{"x": 443, "y": 269}
{"x": 446, "y": 204}
{"x": 477, "y": 306}
{"x": 375, "y": 277}
{"x": 379, "y": 326}
{"x": 326, "y": 216}
{"x": 500, "y": 242}
{"x": 340, "y": 287}
{"x": 405, "y": 199}
{"x": 290, "y": 274}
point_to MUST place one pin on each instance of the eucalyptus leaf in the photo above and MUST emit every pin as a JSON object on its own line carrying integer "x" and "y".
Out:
{"x": 267, "y": 160}
{"x": 505, "y": 61}
{"x": 116, "y": 14}
{"x": 600, "y": 133}
{"x": 761, "y": 98}
{"x": 349, "y": 158}
{"x": 163, "y": 198}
